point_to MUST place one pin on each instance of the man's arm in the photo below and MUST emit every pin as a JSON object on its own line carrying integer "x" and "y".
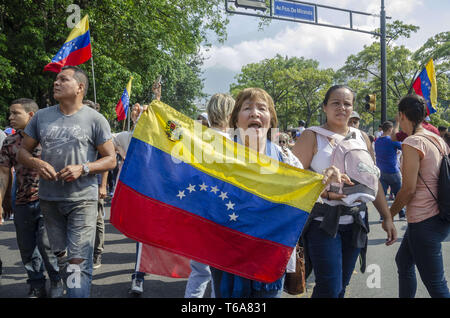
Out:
{"x": 395, "y": 130}
{"x": 105, "y": 163}
{"x": 411, "y": 164}
{"x": 25, "y": 157}
{"x": 102, "y": 187}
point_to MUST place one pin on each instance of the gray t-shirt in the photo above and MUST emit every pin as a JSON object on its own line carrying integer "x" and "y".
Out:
{"x": 69, "y": 140}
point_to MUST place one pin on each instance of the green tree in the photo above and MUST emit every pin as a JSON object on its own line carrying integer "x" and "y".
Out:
{"x": 296, "y": 86}
{"x": 139, "y": 38}
{"x": 403, "y": 66}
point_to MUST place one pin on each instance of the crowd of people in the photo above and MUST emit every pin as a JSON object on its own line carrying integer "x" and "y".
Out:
{"x": 62, "y": 163}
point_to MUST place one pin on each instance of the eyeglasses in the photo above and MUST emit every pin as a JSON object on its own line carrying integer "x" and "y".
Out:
{"x": 282, "y": 142}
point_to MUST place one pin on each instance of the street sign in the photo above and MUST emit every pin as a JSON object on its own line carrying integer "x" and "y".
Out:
{"x": 294, "y": 10}
{"x": 252, "y": 4}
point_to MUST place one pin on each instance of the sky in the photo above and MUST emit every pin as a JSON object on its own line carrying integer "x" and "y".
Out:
{"x": 329, "y": 46}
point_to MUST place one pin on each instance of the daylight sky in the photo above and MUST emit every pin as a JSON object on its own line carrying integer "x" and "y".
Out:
{"x": 330, "y": 46}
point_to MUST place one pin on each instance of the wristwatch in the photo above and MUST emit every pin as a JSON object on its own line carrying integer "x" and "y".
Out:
{"x": 85, "y": 170}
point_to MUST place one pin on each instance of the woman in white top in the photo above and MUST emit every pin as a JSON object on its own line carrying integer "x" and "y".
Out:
{"x": 333, "y": 254}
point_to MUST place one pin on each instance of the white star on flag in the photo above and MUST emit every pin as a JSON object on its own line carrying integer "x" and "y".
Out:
{"x": 230, "y": 206}
{"x": 233, "y": 217}
{"x": 203, "y": 187}
{"x": 181, "y": 194}
{"x": 214, "y": 189}
{"x": 191, "y": 188}
{"x": 223, "y": 195}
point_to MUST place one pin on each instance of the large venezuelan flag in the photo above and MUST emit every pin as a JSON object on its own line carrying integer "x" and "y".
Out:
{"x": 124, "y": 102}
{"x": 425, "y": 85}
{"x": 189, "y": 190}
{"x": 76, "y": 50}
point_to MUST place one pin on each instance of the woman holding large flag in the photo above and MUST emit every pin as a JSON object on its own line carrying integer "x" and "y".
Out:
{"x": 252, "y": 118}
{"x": 336, "y": 232}
{"x": 423, "y": 153}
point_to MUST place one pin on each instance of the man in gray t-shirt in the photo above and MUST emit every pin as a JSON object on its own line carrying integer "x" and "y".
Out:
{"x": 71, "y": 135}
{"x": 69, "y": 139}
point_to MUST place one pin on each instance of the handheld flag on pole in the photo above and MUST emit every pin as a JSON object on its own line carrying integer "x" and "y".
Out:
{"x": 76, "y": 50}
{"x": 124, "y": 102}
{"x": 189, "y": 190}
{"x": 425, "y": 85}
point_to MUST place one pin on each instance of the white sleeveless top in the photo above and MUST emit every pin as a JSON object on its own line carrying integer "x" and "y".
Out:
{"x": 321, "y": 161}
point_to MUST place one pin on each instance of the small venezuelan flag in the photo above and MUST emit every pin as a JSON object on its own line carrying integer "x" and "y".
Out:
{"x": 124, "y": 102}
{"x": 76, "y": 50}
{"x": 187, "y": 189}
{"x": 425, "y": 85}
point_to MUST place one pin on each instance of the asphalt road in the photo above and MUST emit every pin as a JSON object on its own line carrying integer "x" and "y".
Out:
{"x": 113, "y": 278}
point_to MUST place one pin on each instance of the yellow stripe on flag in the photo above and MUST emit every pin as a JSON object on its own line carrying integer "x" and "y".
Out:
{"x": 432, "y": 76}
{"x": 81, "y": 28}
{"x": 129, "y": 87}
{"x": 210, "y": 152}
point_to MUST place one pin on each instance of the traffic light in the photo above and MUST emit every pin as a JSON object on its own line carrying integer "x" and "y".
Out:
{"x": 371, "y": 102}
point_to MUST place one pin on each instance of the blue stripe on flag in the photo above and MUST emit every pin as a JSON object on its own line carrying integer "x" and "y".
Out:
{"x": 71, "y": 46}
{"x": 425, "y": 85}
{"x": 155, "y": 174}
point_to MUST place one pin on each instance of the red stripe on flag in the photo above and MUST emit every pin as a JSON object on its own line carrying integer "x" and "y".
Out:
{"x": 120, "y": 111}
{"x": 417, "y": 86}
{"x": 170, "y": 228}
{"x": 75, "y": 58}
{"x": 157, "y": 261}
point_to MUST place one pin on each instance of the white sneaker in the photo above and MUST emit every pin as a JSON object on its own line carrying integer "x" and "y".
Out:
{"x": 137, "y": 286}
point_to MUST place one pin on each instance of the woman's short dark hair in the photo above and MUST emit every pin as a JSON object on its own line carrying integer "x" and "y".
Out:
{"x": 336, "y": 87}
{"x": 387, "y": 125}
{"x": 415, "y": 109}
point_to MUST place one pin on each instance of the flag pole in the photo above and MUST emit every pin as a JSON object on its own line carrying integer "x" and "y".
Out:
{"x": 93, "y": 79}
{"x": 128, "y": 117}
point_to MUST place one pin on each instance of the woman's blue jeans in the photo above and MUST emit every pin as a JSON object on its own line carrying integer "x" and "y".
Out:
{"x": 421, "y": 246}
{"x": 333, "y": 259}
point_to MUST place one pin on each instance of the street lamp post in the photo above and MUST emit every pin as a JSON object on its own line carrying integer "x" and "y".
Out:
{"x": 287, "y": 12}
{"x": 383, "y": 62}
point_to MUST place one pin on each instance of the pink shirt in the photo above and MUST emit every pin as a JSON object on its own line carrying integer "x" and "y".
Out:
{"x": 423, "y": 205}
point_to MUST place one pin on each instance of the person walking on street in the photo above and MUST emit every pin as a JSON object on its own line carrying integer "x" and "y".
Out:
{"x": 386, "y": 158}
{"x": 422, "y": 242}
{"x": 71, "y": 135}
{"x": 31, "y": 234}
{"x": 102, "y": 180}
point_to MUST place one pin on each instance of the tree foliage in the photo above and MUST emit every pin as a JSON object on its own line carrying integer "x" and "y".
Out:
{"x": 296, "y": 85}
{"x": 139, "y": 38}
{"x": 403, "y": 66}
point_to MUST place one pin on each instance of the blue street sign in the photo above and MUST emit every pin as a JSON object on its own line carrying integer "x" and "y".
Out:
{"x": 294, "y": 10}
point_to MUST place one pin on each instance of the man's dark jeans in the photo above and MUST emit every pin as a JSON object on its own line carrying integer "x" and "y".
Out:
{"x": 33, "y": 244}
{"x": 393, "y": 180}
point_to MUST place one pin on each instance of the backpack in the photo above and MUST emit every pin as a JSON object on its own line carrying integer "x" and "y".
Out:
{"x": 350, "y": 156}
{"x": 443, "y": 197}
